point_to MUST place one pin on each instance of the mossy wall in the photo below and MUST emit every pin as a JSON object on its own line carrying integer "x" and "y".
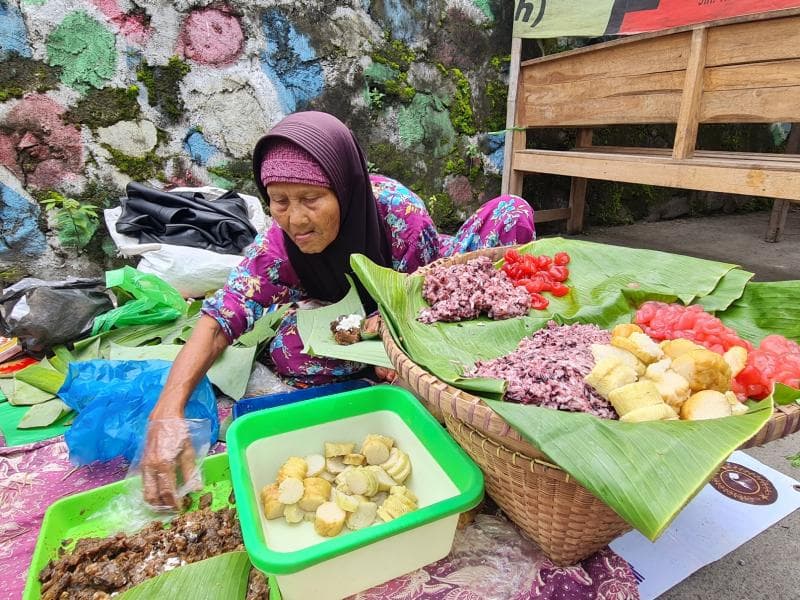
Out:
{"x": 94, "y": 93}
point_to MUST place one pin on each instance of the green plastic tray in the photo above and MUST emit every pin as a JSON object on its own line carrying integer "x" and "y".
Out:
{"x": 254, "y": 427}
{"x": 66, "y": 519}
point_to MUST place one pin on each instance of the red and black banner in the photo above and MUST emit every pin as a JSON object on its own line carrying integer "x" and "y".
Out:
{"x": 564, "y": 18}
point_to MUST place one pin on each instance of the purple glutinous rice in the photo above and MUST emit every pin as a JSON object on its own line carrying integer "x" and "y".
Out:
{"x": 548, "y": 367}
{"x": 461, "y": 292}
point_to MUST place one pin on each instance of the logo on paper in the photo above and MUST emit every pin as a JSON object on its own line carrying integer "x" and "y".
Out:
{"x": 744, "y": 485}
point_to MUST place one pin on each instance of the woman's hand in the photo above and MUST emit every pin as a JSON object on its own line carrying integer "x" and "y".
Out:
{"x": 168, "y": 447}
{"x": 385, "y": 374}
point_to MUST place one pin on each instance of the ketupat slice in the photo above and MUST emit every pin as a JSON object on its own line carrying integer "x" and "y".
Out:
{"x": 363, "y": 516}
{"x": 362, "y": 481}
{"x": 335, "y": 465}
{"x": 290, "y": 490}
{"x": 375, "y": 452}
{"x": 327, "y": 476}
{"x": 295, "y": 467}
{"x": 293, "y": 513}
{"x": 393, "y": 507}
{"x": 315, "y": 491}
{"x": 385, "y": 481}
{"x": 398, "y": 466}
{"x": 672, "y": 387}
{"x": 329, "y": 519}
{"x": 316, "y": 465}
{"x": 654, "y": 412}
{"x": 334, "y": 449}
{"x": 354, "y": 459}
{"x": 633, "y": 396}
{"x": 346, "y": 502}
{"x": 610, "y": 374}
{"x": 273, "y": 508}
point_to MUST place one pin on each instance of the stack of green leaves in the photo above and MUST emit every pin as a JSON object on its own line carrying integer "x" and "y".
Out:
{"x": 646, "y": 472}
{"x": 33, "y": 411}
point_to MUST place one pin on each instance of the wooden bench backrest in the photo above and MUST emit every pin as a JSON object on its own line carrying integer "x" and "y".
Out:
{"x": 733, "y": 73}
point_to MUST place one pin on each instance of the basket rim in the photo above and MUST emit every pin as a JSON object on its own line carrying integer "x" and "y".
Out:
{"x": 470, "y": 409}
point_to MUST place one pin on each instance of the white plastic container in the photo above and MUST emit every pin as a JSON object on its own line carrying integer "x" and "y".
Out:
{"x": 307, "y": 566}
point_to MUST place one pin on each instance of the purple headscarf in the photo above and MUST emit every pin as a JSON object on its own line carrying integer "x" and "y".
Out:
{"x": 361, "y": 231}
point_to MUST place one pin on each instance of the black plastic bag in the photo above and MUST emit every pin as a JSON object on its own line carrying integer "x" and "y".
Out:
{"x": 43, "y": 314}
{"x": 186, "y": 219}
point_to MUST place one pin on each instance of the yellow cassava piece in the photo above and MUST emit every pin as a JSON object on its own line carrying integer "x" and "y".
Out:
{"x": 674, "y": 348}
{"x": 329, "y": 519}
{"x": 610, "y": 374}
{"x": 706, "y": 404}
{"x": 654, "y": 412}
{"x": 601, "y": 351}
{"x": 704, "y": 370}
{"x": 640, "y": 345}
{"x": 295, "y": 467}
{"x": 626, "y": 329}
{"x": 293, "y": 513}
{"x": 315, "y": 491}
{"x": 363, "y": 516}
{"x": 354, "y": 459}
{"x": 290, "y": 490}
{"x": 334, "y": 449}
{"x": 736, "y": 357}
{"x": 635, "y": 395}
{"x": 273, "y": 508}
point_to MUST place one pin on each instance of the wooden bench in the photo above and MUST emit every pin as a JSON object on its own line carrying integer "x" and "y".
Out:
{"x": 744, "y": 70}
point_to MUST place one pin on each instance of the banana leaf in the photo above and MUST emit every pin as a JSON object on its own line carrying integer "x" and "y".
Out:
{"x": 222, "y": 577}
{"x": 764, "y": 308}
{"x": 728, "y": 290}
{"x": 646, "y": 472}
{"x": 314, "y": 327}
{"x": 10, "y": 417}
{"x": 44, "y": 414}
{"x": 42, "y": 376}
{"x": 25, "y": 394}
{"x": 264, "y": 329}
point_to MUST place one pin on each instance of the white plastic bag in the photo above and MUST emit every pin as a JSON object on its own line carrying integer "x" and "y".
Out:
{"x": 192, "y": 271}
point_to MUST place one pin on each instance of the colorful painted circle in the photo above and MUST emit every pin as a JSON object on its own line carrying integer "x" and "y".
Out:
{"x": 211, "y": 36}
{"x": 744, "y": 485}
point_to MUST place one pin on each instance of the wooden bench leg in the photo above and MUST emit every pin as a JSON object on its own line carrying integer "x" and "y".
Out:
{"x": 577, "y": 203}
{"x": 777, "y": 220}
{"x": 780, "y": 208}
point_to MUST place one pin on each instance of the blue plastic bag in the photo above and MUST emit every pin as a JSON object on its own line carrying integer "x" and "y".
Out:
{"x": 113, "y": 399}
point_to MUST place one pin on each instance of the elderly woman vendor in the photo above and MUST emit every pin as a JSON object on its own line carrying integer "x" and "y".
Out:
{"x": 325, "y": 207}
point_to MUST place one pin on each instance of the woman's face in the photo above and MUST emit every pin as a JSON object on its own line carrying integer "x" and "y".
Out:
{"x": 309, "y": 214}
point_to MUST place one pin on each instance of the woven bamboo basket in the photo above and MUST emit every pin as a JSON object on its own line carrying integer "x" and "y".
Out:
{"x": 561, "y": 516}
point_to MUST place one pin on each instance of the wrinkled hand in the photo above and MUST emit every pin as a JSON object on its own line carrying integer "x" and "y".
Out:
{"x": 168, "y": 448}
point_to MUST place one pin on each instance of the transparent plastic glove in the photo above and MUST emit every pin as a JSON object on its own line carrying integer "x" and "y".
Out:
{"x": 171, "y": 450}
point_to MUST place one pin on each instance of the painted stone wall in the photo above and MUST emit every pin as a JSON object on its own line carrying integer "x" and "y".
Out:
{"x": 94, "y": 93}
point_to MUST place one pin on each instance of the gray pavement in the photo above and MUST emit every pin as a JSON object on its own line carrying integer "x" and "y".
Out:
{"x": 766, "y": 567}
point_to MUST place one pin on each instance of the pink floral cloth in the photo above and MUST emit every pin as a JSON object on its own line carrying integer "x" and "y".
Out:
{"x": 490, "y": 559}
